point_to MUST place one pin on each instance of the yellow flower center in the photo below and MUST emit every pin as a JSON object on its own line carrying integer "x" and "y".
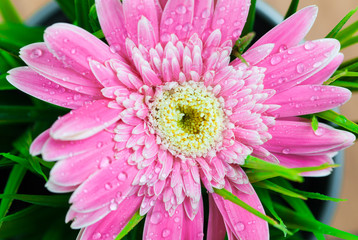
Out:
{"x": 188, "y": 119}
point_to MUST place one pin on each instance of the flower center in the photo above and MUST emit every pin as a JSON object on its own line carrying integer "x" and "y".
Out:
{"x": 188, "y": 119}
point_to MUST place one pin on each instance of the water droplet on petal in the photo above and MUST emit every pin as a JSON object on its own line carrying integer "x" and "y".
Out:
{"x": 97, "y": 235}
{"x": 115, "y": 48}
{"x": 205, "y": 13}
{"x": 286, "y": 151}
{"x": 122, "y": 176}
{"x": 282, "y": 48}
{"x": 36, "y": 53}
{"x": 275, "y": 60}
{"x": 177, "y": 219}
{"x": 309, "y": 45}
{"x": 181, "y": 9}
{"x": 220, "y": 21}
{"x": 108, "y": 186}
{"x": 156, "y": 217}
{"x": 300, "y": 68}
{"x": 99, "y": 144}
{"x": 104, "y": 162}
{"x": 165, "y": 37}
{"x": 166, "y": 233}
{"x": 113, "y": 206}
{"x": 319, "y": 132}
{"x": 240, "y": 226}
{"x": 76, "y": 97}
{"x": 168, "y": 21}
{"x": 73, "y": 51}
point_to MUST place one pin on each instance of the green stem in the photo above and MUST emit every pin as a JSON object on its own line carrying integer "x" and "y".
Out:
{"x": 292, "y": 8}
{"x": 8, "y": 12}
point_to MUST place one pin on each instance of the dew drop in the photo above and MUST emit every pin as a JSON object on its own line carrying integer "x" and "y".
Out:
{"x": 156, "y": 217}
{"x": 317, "y": 64}
{"x": 76, "y": 97}
{"x": 166, "y": 233}
{"x": 143, "y": 179}
{"x": 240, "y": 226}
{"x": 177, "y": 219}
{"x": 115, "y": 48}
{"x": 108, "y": 186}
{"x": 97, "y": 235}
{"x": 36, "y": 53}
{"x": 205, "y": 13}
{"x": 104, "y": 162}
{"x": 99, "y": 144}
{"x": 275, "y": 60}
{"x": 300, "y": 68}
{"x": 168, "y": 21}
{"x": 181, "y": 9}
{"x": 220, "y": 21}
{"x": 286, "y": 151}
{"x": 113, "y": 206}
{"x": 122, "y": 176}
{"x": 319, "y": 132}
{"x": 200, "y": 235}
{"x": 282, "y": 48}
{"x": 73, "y": 51}
{"x": 165, "y": 37}
{"x": 309, "y": 45}
{"x": 222, "y": 9}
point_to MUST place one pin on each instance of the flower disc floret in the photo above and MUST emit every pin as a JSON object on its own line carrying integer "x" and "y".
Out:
{"x": 188, "y": 118}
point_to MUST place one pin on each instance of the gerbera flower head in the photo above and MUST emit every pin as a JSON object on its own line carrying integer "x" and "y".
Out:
{"x": 162, "y": 110}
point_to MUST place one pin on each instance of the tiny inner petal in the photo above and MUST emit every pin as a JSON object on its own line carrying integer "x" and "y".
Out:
{"x": 188, "y": 118}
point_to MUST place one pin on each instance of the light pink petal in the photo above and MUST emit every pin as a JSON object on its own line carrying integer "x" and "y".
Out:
{"x": 177, "y": 19}
{"x": 290, "y": 137}
{"x": 230, "y": 17}
{"x": 75, "y": 47}
{"x": 255, "y": 55}
{"x": 53, "y": 187}
{"x": 105, "y": 75}
{"x": 38, "y": 143}
{"x": 82, "y": 220}
{"x": 203, "y": 10}
{"x": 57, "y": 149}
{"x": 74, "y": 170}
{"x": 216, "y": 225}
{"x": 323, "y": 75}
{"x": 291, "y": 31}
{"x": 111, "y": 18}
{"x": 85, "y": 121}
{"x": 193, "y": 229}
{"x": 133, "y": 12}
{"x": 146, "y": 34}
{"x": 299, "y": 63}
{"x": 38, "y": 57}
{"x": 159, "y": 225}
{"x": 108, "y": 185}
{"x": 243, "y": 224}
{"x": 299, "y": 161}
{"x": 306, "y": 99}
{"x": 32, "y": 83}
{"x": 110, "y": 226}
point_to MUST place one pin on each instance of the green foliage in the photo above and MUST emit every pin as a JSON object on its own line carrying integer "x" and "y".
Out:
{"x": 8, "y": 12}
{"x": 130, "y": 225}
{"x": 333, "y": 33}
{"x": 82, "y": 11}
{"x": 249, "y": 25}
{"x": 339, "y": 119}
{"x": 68, "y": 9}
{"x": 292, "y": 8}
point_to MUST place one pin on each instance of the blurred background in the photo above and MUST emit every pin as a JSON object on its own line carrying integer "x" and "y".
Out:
{"x": 330, "y": 13}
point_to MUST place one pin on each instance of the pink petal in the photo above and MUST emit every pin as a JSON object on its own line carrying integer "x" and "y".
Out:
{"x": 216, "y": 225}
{"x": 299, "y": 63}
{"x": 255, "y": 55}
{"x": 105, "y": 75}
{"x": 111, "y": 225}
{"x": 146, "y": 34}
{"x": 85, "y": 219}
{"x": 299, "y": 161}
{"x": 159, "y": 225}
{"x": 74, "y": 170}
{"x": 85, "y": 121}
{"x": 243, "y": 224}
{"x": 290, "y": 137}
{"x": 53, "y": 187}
{"x": 32, "y": 83}
{"x": 110, "y": 184}
{"x": 133, "y": 12}
{"x": 57, "y": 149}
{"x": 306, "y": 99}
{"x": 38, "y": 143}
{"x": 203, "y": 11}
{"x": 111, "y": 18}
{"x": 38, "y": 57}
{"x": 291, "y": 31}
{"x": 323, "y": 75}
{"x": 193, "y": 229}
{"x": 176, "y": 19}
{"x": 230, "y": 18}
{"x": 75, "y": 47}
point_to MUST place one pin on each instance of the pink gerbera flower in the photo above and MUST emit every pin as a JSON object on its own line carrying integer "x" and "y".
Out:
{"x": 161, "y": 110}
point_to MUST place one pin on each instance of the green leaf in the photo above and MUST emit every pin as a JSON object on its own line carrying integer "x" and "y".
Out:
{"x": 301, "y": 221}
{"x": 130, "y": 225}
{"x": 93, "y": 19}
{"x": 292, "y": 8}
{"x": 250, "y": 21}
{"x": 339, "y": 26}
{"x": 338, "y": 119}
{"x": 8, "y": 12}
{"x": 22, "y": 34}
{"x": 42, "y": 200}
{"x": 232, "y": 198}
{"x": 314, "y": 123}
{"x": 67, "y": 8}
{"x": 20, "y": 214}
{"x": 12, "y": 114}
{"x": 16, "y": 175}
{"x": 340, "y": 74}
{"x": 22, "y": 161}
{"x": 4, "y": 84}
{"x": 242, "y": 43}
{"x": 350, "y": 85}
{"x": 279, "y": 189}
{"x": 346, "y": 33}
{"x": 349, "y": 42}
{"x": 82, "y": 10}
{"x": 278, "y": 170}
